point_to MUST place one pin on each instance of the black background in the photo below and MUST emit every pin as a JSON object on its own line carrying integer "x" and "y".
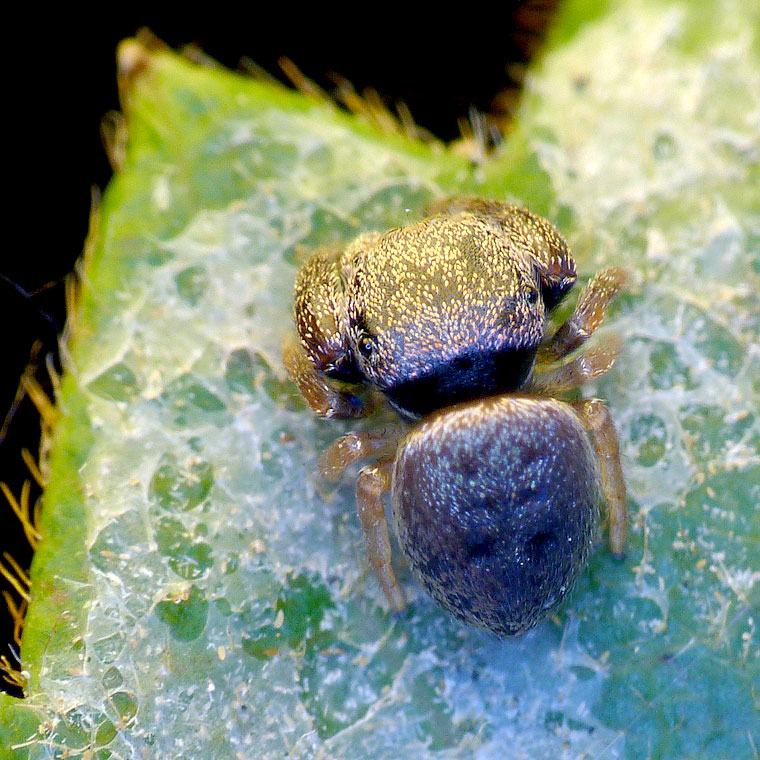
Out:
{"x": 62, "y": 84}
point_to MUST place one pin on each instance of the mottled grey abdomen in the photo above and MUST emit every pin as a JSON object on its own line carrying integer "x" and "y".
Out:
{"x": 496, "y": 505}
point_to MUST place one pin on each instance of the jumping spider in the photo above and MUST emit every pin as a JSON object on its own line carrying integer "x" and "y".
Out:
{"x": 495, "y": 487}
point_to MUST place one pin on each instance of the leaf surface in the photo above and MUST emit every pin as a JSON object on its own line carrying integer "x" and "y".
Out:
{"x": 199, "y": 593}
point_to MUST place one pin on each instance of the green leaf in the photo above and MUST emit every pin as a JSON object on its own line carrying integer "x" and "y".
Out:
{"x": 200, "y": 593}
{"x": 186, "y": 616}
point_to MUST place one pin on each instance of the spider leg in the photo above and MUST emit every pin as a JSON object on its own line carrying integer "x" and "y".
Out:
{"x": 597, "y": 420}
{"x": 374, "y": 480}
{"x": 321, "y": 396}
{"x": 354, "y": 446}
{"x": 588, "y": 315}
{"x": 554, "y": 380}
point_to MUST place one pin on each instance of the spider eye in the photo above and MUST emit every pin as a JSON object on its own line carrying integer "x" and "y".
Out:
{"x": 366, "y": 345}
{"x": 365, "y": 340}
{"x": 531, "y": 294}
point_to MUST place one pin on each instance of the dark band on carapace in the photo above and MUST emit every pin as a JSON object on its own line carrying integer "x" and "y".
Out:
{"x": 466, "y": 377}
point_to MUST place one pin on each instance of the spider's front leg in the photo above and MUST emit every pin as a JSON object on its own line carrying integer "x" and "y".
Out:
{"x": 561, "y": 378}
{"x": 326, "y": 399}
{"x": 587, "y": 316}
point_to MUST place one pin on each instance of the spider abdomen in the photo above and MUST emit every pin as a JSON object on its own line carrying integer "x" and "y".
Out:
{"x": 496, "y": 505}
